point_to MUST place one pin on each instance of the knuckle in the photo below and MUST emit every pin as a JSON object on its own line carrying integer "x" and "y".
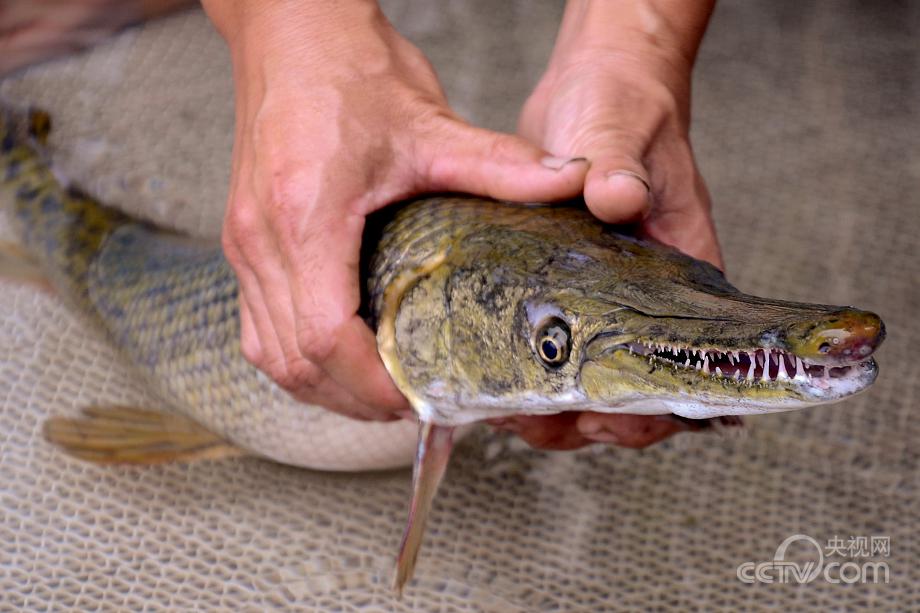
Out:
{"x": 286, "y": 377}
{"x": 503, "y": 146}
{"x": 315, "y": 339}
{"x": 304, "y": 376}
{"x": 239, "y": 229}
{"x": 287, "y": 190}
{"x": 252, "y": 350}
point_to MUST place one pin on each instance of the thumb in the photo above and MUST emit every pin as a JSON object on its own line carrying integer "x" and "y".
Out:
{"x": 463, "y": 158}
{"x": 617, "y": 187}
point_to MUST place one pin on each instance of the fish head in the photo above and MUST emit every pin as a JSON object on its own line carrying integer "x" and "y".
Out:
{"x": 537, "y": 320}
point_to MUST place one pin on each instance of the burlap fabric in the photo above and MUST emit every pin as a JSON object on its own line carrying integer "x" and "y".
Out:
{"x": 807, "y": 128}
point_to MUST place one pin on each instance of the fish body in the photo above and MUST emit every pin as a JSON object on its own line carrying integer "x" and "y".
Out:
{"x": 171, "y": 305}
{"x": 467, "y": 296}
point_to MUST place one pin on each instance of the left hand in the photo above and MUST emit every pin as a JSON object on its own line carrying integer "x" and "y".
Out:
{"x": 617, "y": 91}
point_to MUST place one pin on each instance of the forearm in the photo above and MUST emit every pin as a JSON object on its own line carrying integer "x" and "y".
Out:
{"x": 671, "y": 29}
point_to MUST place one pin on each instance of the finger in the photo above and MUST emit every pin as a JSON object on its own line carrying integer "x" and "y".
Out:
{"x": 682, "y": 215}
{"x": 303, "y": 380}
{"x": 323, "y": 269}
{"x": 690, "y": 231}
{"x": 280, "y": 359}
{"x": 626, "y": 430}
{"x": 258, "y": 340}
{"x": 461, "y": 158}
{"x": 618, "y": 185}
{"x": 249, "y": 336}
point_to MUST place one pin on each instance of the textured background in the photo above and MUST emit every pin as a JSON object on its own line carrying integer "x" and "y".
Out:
{"x": 807, "y": 129}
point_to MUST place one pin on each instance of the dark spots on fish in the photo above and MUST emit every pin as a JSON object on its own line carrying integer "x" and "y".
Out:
{"x": 13, "y": 169}
{"x": 50, "y": 204}
{"x": 8, "y": 142}
{"x": 808, "y": 331}
{"x": 499, "y": 385}
{"x": 488, "y": 293}
{"x": 657, "y": 331}
{"x": 27, "y": 193}
{"x": 702, "y": 341}
{"x": 77, "y": 193}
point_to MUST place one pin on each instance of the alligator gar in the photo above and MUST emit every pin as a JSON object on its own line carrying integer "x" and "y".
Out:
{"x": 482, "y": 309}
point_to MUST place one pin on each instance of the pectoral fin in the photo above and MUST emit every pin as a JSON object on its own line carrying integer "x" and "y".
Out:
{"x": 434, "y": 445}
{"x": 18, "y": 266}
{"x": 127, "y": 435}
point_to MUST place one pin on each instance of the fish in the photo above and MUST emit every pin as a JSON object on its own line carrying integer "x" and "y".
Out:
{"x": 482, "y": 310}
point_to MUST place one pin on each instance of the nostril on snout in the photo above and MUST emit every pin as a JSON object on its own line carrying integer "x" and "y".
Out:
{"x": 844, "y": 336}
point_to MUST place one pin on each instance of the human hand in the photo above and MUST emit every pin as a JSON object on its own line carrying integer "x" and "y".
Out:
{"x": 337, "y": 116}
{"x": 617, "y": 91}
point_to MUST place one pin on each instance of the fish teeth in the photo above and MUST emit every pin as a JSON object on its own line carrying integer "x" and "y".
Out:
{"x": 718, "y": 371}
{"x": 750, "y": 372}
{"x": 800, "y": 373}
{"x": 781, "y": 375}
{"x": 706, "y": 364}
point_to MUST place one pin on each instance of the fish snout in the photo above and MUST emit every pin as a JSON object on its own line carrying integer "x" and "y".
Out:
{"x": 846, "y": 336}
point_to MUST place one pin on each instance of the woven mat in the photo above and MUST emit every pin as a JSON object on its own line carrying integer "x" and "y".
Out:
{"x": 806, "y": 127}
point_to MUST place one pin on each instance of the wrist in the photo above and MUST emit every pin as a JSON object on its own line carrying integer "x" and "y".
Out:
{"x": 666, "y": 31}
{"x": 277, "y": 37}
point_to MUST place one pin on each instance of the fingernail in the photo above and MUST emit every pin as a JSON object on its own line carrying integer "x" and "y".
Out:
{"x": 557, "y": 163}
{"x": 626, "y": 177}
{"x": 603, "y": 436}
{"x": 628, "y": 173}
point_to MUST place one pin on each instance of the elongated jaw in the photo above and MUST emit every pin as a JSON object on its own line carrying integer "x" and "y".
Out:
{"x": 764, "y": 368}
{"x": 828, "y": 361}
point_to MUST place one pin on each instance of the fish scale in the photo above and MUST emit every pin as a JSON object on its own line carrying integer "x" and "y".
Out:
{"x": 170, "y": 304}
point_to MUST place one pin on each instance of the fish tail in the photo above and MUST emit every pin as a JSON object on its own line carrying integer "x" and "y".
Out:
{"x": 60, "y": 227}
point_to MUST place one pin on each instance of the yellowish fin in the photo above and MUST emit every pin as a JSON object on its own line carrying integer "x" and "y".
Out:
{"x": 127, "y": 435}
{"x": 434, "y": 445}
{"x": 18, "y": 266}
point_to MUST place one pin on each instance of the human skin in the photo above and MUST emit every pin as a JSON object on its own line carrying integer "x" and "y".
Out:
{"x": 617, "y": 91}
{"x": 338, "y": 116}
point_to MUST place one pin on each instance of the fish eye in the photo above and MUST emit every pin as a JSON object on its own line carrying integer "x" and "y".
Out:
{"x": 553, "y": 342}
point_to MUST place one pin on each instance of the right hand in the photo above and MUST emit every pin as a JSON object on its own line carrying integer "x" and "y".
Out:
{"x": 337, "y": 116}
